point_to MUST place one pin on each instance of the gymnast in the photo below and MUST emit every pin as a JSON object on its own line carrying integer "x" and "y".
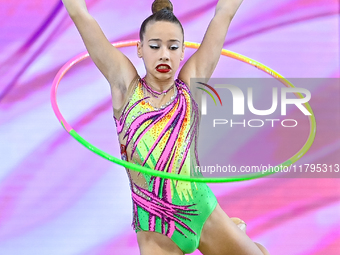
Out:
{"x": 157, "y": 124}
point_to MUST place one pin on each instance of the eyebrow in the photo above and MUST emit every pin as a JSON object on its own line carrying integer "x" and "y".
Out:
{"x": 159, "y": 40}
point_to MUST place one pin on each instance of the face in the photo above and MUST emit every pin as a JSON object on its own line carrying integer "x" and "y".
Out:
{"x": 162, "y": 49}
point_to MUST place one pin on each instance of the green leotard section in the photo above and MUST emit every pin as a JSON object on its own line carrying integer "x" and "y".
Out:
{"x": 165, "y": 139}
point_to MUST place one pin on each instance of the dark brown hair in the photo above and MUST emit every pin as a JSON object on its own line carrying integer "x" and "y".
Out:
{"x": 162, "y": 11}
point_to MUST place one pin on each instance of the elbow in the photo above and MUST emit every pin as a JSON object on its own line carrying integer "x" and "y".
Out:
{"x": 227, "y": 10}
{"x": 224, "y": 13}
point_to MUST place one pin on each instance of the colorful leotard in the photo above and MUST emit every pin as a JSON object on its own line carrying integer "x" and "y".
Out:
{"x": 164, "y": 139}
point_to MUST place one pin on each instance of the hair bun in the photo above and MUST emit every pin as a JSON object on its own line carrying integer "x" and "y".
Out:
{"x": 158, "y": 5}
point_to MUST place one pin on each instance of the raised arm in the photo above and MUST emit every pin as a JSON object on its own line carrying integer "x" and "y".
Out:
{"x": 114, "y": 65}
{"x": 203, "y": 62}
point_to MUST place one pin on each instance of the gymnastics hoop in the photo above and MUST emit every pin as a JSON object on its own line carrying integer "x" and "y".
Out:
{"x": 160, "y": 174}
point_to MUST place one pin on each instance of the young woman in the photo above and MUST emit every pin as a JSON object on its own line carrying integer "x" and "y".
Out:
{"x": 157, "y": 124}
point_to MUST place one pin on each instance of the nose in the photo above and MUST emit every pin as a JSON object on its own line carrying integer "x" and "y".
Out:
{"x": 164, "y": 54}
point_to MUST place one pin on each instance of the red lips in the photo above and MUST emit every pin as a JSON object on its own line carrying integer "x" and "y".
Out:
{"x": 162, "y": 68}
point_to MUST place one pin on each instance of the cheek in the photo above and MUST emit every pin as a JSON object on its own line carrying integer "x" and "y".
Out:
{"x": 149, "y": 62}
{"x": 147, "y": 57}
{"x": 178, "y": 56}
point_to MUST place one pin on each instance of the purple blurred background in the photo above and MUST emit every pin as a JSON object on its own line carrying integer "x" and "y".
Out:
{"x": 58, "y": 198}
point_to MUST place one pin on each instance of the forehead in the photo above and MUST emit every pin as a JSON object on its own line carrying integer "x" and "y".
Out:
{"x": 163, "y": 30}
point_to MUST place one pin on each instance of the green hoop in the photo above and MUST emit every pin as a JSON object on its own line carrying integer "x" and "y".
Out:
{"x": 156, "y": 173}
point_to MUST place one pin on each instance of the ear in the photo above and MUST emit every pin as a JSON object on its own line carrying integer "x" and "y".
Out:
{"x": 182, "y": 54}
{"x": 139, "y": 49}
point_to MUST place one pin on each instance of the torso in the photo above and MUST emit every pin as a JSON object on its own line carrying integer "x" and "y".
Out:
{"x": 163, "y": 136}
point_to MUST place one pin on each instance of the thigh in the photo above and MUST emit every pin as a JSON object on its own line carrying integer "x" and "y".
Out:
{"x": 153, "y": 243}
{"x": 221, "y": 236}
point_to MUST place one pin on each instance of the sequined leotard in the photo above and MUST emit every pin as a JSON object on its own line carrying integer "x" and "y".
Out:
{"x": 164, "y": 139}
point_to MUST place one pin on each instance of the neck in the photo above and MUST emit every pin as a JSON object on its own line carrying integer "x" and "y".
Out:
{"x": 159, "y": 85}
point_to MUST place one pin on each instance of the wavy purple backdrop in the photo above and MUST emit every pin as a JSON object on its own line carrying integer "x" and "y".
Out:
{"x": 58, "y": 198}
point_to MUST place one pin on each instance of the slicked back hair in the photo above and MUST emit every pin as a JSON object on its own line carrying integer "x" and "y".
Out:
{"x": 162, "y": 15}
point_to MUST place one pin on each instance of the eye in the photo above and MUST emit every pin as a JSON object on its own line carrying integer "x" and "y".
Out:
{"x": 154, "y": 46}
{"x": 174, "y": 47}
